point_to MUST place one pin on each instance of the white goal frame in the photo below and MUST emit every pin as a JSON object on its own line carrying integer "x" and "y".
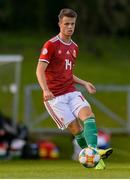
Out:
{"x": 31, "y": 122}
{"x": 17, "y": 59}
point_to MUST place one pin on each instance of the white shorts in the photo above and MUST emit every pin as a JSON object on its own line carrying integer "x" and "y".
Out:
{"x": 65, "y": 108}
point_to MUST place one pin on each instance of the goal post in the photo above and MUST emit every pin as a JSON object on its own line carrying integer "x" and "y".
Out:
{"x": 10, "y": 69}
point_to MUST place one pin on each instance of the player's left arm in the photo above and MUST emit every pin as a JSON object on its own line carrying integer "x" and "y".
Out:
{"x": 88, "y": 86}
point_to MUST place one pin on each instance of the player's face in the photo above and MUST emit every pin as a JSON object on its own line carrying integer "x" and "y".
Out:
{"x": 67, "y": 26}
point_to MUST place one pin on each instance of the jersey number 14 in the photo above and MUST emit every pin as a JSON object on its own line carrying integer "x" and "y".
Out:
{"x": 68, "y": 64}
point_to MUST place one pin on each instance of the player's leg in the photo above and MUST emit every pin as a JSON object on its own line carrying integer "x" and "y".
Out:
{"x": 76, "y": 130}
{"x": 82, "y": 110}
{"x": 90, "y": 129}
{"x": 62, "y": 115}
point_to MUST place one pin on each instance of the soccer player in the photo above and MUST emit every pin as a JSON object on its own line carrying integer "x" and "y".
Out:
{"x": 65, "y": 104}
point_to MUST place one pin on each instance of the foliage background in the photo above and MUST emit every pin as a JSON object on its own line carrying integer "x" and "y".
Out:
{"x": 95, "y": 17}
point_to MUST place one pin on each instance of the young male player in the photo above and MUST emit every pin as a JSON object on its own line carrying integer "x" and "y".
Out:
{"x": 55, "y": 75}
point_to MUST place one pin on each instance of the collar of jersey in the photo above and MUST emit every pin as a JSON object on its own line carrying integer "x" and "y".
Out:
{"x": 63, "y": 41}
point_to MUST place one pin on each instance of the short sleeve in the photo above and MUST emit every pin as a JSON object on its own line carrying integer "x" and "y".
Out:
{"x": 77, "y": 51}
{"x": 47, "y": 52}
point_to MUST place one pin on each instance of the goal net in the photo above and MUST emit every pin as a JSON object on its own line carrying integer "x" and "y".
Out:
{"x": 10, "y": 66}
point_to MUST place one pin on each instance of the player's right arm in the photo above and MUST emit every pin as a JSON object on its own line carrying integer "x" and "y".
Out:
{"x": 40, "y": 72}
{"x": 45, "y": 58}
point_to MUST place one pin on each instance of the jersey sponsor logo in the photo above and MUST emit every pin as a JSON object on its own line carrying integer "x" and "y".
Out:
{"x": 44, "y": 51}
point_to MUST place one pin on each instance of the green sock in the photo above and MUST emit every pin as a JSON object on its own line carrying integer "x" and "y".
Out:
{"x": 81, "y": 140}
{"x": 90, "y": 132}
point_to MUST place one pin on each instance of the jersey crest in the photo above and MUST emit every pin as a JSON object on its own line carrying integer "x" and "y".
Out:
{"x": 74, "y": 53}
{"x": 44, "y": 51}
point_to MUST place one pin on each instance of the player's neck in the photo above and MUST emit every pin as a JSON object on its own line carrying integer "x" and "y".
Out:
{"x": 66, "y": 39}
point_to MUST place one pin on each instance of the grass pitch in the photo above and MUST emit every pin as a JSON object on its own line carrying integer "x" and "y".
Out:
{"x": 117, "y": 166}
{"x": 59, "y": 169}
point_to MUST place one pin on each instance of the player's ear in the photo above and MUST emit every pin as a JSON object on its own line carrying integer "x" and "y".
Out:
{"x": 59, "y": 23}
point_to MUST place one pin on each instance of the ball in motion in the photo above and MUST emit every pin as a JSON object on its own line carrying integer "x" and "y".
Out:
{"x": 89, "y": 157}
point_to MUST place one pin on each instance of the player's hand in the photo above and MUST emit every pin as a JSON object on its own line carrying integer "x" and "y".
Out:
{"x": 90, "y": 87}
{"x": 48, "y": 95}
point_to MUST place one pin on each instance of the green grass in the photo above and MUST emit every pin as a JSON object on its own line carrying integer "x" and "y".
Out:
{"x": 117, "y": 166}
{"x": 60, "y": 169}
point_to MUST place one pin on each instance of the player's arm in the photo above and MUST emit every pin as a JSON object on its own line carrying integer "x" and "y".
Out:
{"x": 88, "y": 86}
{"x": 44, "y": 60}
{"x": 40, "y": 73}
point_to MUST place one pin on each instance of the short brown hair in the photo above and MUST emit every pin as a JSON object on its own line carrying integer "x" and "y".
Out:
{"x": 67, "y": 12}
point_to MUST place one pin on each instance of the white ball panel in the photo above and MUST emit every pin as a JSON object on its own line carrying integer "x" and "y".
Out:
{"x": 96, "y": 158}
{"x": 89, "y": 152}
{"x": 82, "y": 160}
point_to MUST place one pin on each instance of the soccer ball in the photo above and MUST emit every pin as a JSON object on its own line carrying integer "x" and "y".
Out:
{"x": 89, "y": 157}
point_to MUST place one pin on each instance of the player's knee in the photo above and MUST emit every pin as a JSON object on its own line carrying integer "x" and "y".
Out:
{"x": 85, "y": 113}
{"x": 75, "y": 128}
{"x": 84, "y": 118}
{"x": 76, "y": 131}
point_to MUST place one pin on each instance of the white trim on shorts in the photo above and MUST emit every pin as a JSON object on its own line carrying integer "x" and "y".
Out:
{"x": 53, "y": 115}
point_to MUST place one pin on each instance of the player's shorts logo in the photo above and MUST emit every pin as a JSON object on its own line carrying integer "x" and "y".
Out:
{"x": 44, "y": 51}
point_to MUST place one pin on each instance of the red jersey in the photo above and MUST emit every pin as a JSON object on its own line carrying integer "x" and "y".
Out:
{"x": 60, "y": 57}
